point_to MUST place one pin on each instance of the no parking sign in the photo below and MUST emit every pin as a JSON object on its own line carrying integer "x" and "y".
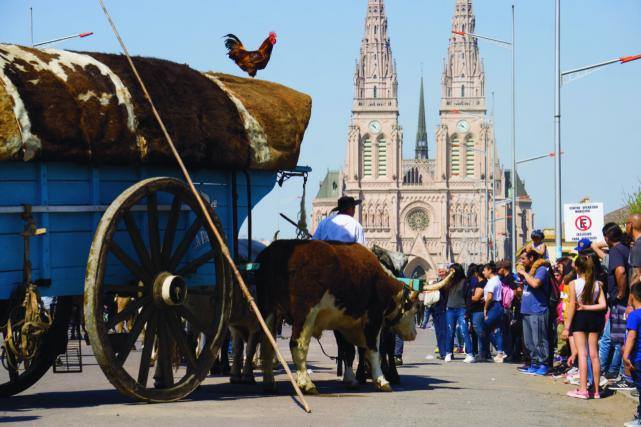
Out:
{"x": 583, "y": 220}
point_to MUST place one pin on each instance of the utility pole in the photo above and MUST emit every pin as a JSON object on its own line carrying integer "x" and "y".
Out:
{"x": 514, "y": 175}
{"x": 558, "y": 220}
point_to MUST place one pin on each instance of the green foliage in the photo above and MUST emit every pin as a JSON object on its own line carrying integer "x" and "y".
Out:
{"x": 634, "y": 201}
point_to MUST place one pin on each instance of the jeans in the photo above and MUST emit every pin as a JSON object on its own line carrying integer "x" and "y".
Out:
{"x": 507, "y": 332}
{"x": 478, "y": 323}
{"x": 456, "y": 316}
{"x": 494, "y": 327}
{"x": 426, "y": 316}
{"x": 535, "y": 336}
{"x": 636, "y": 377}
{"x": 610, "y": 354}
{"x": 440, "y": 329}
{"x": 398, "y": 346}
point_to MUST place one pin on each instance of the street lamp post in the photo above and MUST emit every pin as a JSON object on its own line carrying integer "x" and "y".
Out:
{"x": 558, "y": 220}
{"x": 559, "y": 76}
{"x": 59, "y": 39}
{"x": 512, "y": 47}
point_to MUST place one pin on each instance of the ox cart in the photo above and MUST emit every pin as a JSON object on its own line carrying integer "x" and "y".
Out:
{"x": 90, "y": 205}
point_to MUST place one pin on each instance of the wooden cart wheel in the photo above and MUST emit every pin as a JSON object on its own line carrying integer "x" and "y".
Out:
{"x": 18, "y": 375}
{"x": 154, "y": 256}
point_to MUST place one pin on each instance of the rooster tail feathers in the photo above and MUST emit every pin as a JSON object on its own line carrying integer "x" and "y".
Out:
{"x": 231, "y": 42}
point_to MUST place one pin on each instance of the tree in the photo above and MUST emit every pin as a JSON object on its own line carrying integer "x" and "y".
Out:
{"x": 634, "y": 201}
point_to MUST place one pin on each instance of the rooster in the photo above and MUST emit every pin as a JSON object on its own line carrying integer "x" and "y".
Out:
{"x": 250, "y": 62}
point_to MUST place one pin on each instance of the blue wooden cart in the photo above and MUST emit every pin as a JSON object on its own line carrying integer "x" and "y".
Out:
{"x": 109, "y": 232}
{"x": 113, "y": 224}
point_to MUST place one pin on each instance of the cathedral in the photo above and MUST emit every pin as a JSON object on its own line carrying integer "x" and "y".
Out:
{"x": 451, "y": 206}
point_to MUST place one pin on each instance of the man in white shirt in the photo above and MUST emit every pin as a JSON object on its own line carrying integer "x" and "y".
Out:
{"x": 342, "y": 227}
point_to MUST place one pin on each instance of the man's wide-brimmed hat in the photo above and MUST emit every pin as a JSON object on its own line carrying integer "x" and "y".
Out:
{"x": 346, "y": 202}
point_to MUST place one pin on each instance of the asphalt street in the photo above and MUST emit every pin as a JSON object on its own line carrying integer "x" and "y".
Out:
{"x": 431, "y": 393}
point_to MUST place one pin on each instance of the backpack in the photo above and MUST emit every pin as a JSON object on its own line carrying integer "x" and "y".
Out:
{"x": 507, "y": 295}
{"x": 555, "y": 291}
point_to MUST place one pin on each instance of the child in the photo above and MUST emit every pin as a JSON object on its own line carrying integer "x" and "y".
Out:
{"x": 537, "y": 244}
{"x": 585, "y": 319}
{"x": 632, "y": 349}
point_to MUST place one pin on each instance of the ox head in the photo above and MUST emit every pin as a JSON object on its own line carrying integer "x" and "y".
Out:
{"x": 394, "y": 262}
{"x": 402, "y": 319}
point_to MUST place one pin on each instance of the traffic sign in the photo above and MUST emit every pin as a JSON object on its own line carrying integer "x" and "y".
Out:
{"x": 583, "y": 220}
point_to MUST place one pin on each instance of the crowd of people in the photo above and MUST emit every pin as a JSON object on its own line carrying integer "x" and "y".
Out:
{"x": 576, "y": 318}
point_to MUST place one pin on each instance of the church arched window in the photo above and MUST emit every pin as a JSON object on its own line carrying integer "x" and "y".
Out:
{"x": 462, "y": 91}
{"x": 375, "y": 29}
{"x": 469, "y": 157}
{"x": 382, "y": 157}
{"x": 375, "y": 90}
{"x": 455, "y": 156}
{"x": 367, "y": 156}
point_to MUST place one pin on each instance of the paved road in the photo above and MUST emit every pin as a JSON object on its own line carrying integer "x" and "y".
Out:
{"x": 432, "y": 393}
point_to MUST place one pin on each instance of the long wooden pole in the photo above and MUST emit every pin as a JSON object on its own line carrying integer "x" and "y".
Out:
{"x": 210, "y": 223}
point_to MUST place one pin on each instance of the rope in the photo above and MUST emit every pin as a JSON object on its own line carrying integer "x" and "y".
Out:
{"x": 323, "y": 350}
{"x": 30, "y": 330}
{"x": 302, "y": 231}
{"x": 204, "y": 211}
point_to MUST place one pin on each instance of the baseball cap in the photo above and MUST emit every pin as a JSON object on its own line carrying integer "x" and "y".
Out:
{"x": 583, "y": 244}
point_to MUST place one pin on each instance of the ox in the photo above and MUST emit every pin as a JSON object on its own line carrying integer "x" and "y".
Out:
{"x": 317, "y": 286}
{"x": 243, "y": 325}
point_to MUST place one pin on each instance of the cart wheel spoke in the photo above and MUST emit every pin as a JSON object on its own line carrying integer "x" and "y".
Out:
{"x": 196, "y": 323}
{"x": 124, "y": 290}
{"x": 170, "y": 232}
{"x": 178, "y": 332}
{"x": 136, "y": 239}
{"x": 131, "y": 265}
{"x": 154, "y": 236}
{"x": 139, "y": 323}
{"x": 165, "y": 352}
{"x": 148, "y": 347}
{"x": 129, "y": 310}
{"x": 187, "y": 239}
{"x": 194, "y": 265}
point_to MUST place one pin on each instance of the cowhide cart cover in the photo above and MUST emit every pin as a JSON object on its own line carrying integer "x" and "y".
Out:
{"x": 87, "y": 107}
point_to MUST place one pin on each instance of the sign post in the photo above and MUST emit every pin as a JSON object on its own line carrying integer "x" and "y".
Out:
{"x": 583, "y": 220}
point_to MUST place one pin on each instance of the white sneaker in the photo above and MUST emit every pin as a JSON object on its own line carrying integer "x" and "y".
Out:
{"x": 469, "y": 359}
{"x": 603, "y": 381}
{"x": 634, "y": 423}
{"x": 448, "y": 357}
{"x": 499, "y": 358}
{"x": 572, "y": 371}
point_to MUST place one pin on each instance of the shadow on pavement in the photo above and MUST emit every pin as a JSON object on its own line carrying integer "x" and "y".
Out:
{"x": 18, "y": 419}
{"x": 64, "y": 399}
{"x": 222, "y": 391}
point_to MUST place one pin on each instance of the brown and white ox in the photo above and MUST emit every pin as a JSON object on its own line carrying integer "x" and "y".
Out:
{"x": 317, "y": 286}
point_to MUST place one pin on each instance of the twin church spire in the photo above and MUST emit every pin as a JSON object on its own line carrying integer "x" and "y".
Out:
{"x": 463, "y": 83}
{"x": 375, "y": 80}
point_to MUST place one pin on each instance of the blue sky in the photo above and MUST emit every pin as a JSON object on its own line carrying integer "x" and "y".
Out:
{"x": 319, "y": 43}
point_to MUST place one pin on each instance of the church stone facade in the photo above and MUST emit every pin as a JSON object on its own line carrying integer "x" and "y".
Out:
{"x": 452, "y": 207}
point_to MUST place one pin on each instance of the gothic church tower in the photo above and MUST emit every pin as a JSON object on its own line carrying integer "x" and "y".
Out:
{"x": 374, "y": 152}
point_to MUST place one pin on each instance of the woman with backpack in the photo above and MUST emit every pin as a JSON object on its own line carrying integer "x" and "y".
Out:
{"x": 493, "y": 311}
{"x": 585, "y": 320}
